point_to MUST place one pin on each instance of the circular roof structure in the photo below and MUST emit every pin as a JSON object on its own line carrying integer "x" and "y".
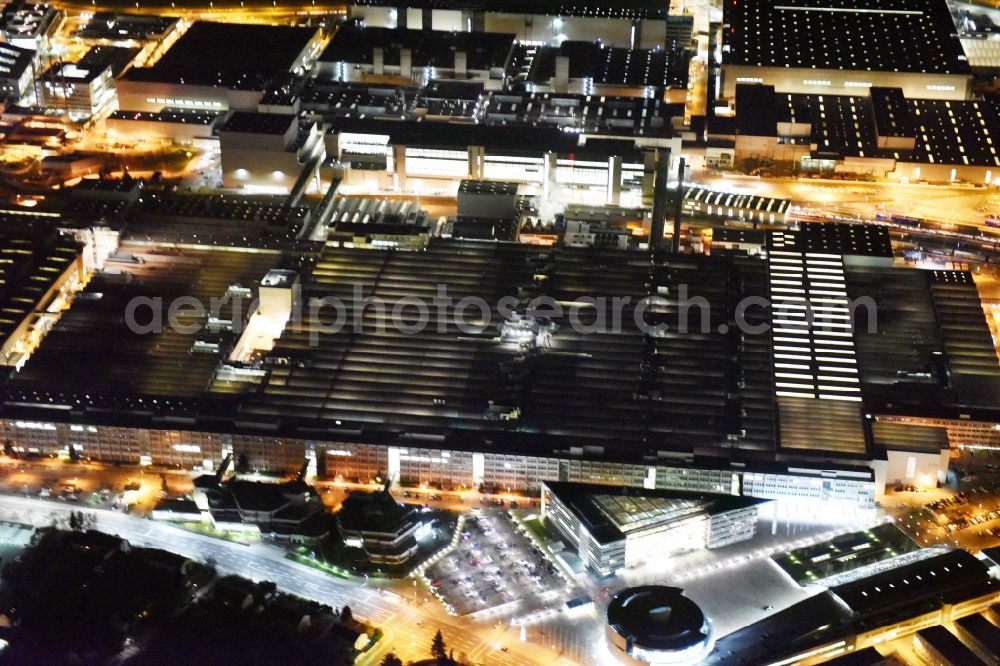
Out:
{"x": 653, "y": 621}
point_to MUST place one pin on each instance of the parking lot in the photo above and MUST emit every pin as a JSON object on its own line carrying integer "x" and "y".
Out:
{"x": 970, "y": 519}
{"x": 494, "y": 563}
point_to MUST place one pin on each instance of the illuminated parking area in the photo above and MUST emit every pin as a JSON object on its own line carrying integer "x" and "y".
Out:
{"x": 495, "y": 570}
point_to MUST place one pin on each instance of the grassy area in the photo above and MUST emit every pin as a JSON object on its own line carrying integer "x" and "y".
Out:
{"x": 300, "y": 557}
{"x": 14, "y": 539}
{"x": 168, "y": 159}
{"x": 208, "y": 530}
{"x": 537, "y": 528}
{"x": 845, "y": 553}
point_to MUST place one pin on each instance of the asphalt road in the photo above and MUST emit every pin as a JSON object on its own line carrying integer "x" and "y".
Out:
{"x": 408, "y": 627}
{"x": 957, "y": 204}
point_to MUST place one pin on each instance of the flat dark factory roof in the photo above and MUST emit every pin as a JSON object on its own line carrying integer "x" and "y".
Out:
{"x": 892, "y": 112}
{"x": 535, "y": 139}
{"x": 250, "y": 122}
{"x": 951, "y": 131}
{"x": 623, "y": 9}
{"x": 667, "y": 68}
{"x": 167, "y": 116}
{"x": 428, "y": 48}
{"x": 865, "y": 35}
{"x": 231, "y": 55}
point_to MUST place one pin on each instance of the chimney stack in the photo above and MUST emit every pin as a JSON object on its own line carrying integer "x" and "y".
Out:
{"x": 405, "y": 62}
{"x": 675, "y": 245}
{"x": 560, "y": 82}
{"x": 659, "y": 200}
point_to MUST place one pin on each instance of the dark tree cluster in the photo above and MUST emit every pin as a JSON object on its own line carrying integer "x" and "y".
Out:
{"x": 82, "y": 597}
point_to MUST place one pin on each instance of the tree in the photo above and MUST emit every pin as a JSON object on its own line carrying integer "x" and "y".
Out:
{"x": 438, "y": 649}
{"x": 391, "y": 660}
{"x": 81, "y": 522}
{"x": 345, "y": 614}
{"x": 242, "y": 464}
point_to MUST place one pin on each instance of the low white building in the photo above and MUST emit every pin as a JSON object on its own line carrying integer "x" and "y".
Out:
{"x": 194, "y": 128}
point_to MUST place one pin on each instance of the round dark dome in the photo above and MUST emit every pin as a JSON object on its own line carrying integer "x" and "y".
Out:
{"x": 655, "y": 621}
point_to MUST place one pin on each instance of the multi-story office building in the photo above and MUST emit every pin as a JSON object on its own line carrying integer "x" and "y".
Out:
{"x": 29, "y": 25}
{"x": 17, "y": 71}
{"x": 380, "y": 527}
{"x": 86, "y": 88}
{"x": 613, "y": 529}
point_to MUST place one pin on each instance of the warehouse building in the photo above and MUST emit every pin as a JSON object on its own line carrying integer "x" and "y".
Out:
{"x": 127, "y": 29}
{"x": 414, "y": 155}
{"x": 633, "y": 24}
{"x": 643, "y": 119}
{"x": 195, "y": 73}
{"x": 843, "y": 48}
{"x": 398, "y": 55}
{"x": 915, "y": 455}
{"x": 981, "y": 636}
{"x": 751, "y": 208}
{"x": 265, "y": 152}
{"x": 594, "y": 68}
{"x": 881, "y": 133}
{"x": 696, "y": 407}
{"x": 603, "y": 441}
{"x": 913, "y": 601}
{"x": 41, "y": 267}
{"x": 186, "y": 128}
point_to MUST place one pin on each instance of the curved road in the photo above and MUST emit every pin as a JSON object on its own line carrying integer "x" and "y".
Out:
{"x": 408, "y": 628}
